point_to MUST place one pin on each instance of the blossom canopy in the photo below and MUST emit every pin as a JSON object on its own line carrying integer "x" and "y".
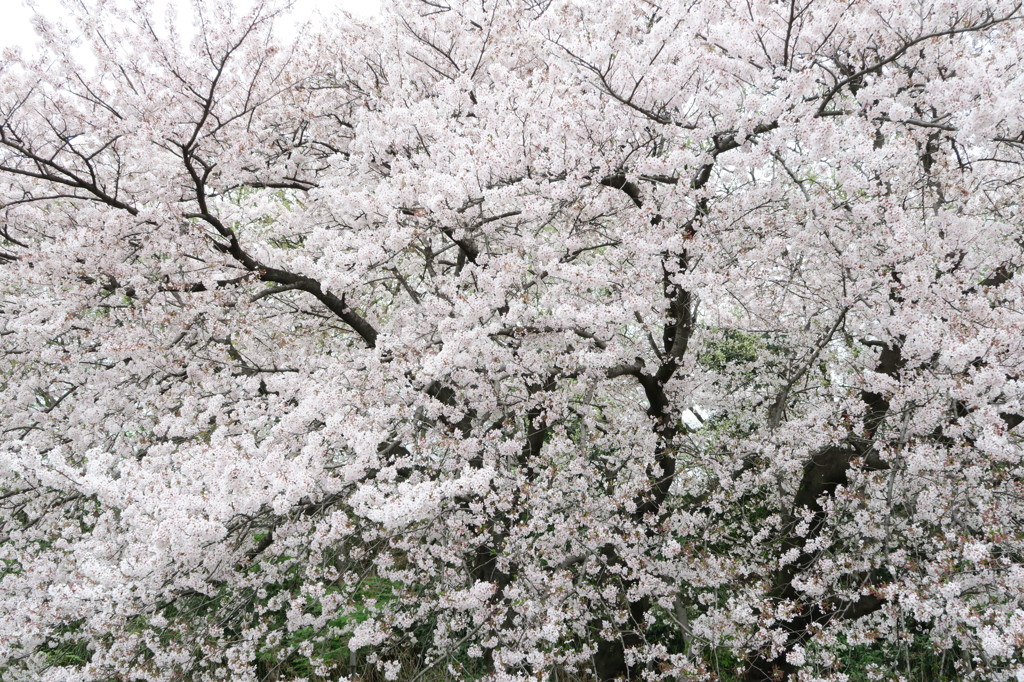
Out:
{"x": 508, "y": 339}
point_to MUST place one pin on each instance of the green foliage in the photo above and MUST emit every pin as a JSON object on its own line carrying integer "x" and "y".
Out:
{"x": 917, "y": 660}
{"x": 65, "y": 648}
{"x": 299, "y": 653}
{"x": 730, "y": 349}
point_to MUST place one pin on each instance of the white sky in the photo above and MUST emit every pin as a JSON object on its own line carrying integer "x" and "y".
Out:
{"x": 16, "y": 27}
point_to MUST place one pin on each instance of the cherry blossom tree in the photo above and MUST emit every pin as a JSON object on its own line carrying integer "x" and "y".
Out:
{"x": 513, "y": 340}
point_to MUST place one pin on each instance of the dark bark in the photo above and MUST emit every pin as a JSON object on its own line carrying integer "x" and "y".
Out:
{"x": 823, "y": 473}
